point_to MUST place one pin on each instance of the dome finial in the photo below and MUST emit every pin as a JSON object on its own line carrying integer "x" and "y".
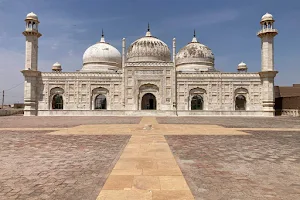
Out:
{"x": 102, "y": 37}
{"x": 194, "y": 38}
{"x": 148, "y": 34}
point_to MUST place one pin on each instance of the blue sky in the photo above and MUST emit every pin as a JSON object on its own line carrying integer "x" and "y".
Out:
{"x": 69, "y": 27}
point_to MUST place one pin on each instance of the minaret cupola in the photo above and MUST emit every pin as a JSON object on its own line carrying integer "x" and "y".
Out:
{"x": 267, "y": 26}
{"x": 32, "y": 23}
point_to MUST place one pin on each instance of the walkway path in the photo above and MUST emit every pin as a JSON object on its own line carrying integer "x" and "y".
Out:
{"x": 146, "y": 169}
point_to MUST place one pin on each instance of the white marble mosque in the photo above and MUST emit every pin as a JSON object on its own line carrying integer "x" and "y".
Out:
{"x": 147, "y": 79}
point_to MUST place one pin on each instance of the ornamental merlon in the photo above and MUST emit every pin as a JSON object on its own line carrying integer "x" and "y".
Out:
{"x": 149, "y": 64}
{"x": 81, "y": 74}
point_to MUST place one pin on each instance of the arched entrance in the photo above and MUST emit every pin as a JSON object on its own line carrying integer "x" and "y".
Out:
{"x": 149, "y": 102}
{"x": 197, "y": 103}
{"x": 240, "y": 102}
{"x": 100, "y": 102}
{"x": 57, "y": 102}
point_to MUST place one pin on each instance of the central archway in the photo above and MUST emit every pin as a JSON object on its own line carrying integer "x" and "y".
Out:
{"x": 149, "y": 102}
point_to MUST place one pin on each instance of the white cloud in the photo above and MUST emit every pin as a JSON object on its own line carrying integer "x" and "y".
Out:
{"x": 54, "y": 46}
{"x": 70, "y": 53}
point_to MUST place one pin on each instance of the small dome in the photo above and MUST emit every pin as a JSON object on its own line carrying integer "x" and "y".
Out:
{"x": 195, "y": 57}
{"x": 267, "y": 17}
{"x": 57, "y": 64}
{"x": 56, "y": 67}
{"x": 242, "y": 67}
{"x": 242, "y": 64}
{"x": 148, "y": 49}
{"x": 32, "y": 16}
{"x": 101, "y": 57}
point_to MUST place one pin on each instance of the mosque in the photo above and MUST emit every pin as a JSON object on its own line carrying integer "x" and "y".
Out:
{"x": 146, "y": 79}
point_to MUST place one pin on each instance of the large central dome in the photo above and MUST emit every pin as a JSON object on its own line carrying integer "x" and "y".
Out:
{"x": 148, "y": 49}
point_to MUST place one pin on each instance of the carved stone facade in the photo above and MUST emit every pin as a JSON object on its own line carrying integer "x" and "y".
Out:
{"x": 146, "y": 81}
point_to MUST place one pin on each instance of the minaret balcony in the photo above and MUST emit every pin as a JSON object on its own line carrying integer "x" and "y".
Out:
{"x": 29, "y": 32}
{"x": 31, "y": 29}
{"x": 267, "y": 30}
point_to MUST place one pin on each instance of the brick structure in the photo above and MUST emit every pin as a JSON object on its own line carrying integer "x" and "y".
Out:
{"x": 287, "y": 100}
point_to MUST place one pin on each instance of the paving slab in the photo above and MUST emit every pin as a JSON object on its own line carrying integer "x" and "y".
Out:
{"x": 36, "y": 165}
{"x": 262, "y": 165}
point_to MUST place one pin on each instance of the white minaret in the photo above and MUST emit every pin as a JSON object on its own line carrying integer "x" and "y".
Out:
{"x": 267, "y": 74}
{"x": 32, "y": 34}
{"x": 31, "y": 73}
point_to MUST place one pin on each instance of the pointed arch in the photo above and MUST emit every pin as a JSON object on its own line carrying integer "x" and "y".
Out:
{"x": 197, "y": 99}
{"x": 197, "y": 102}
{"x": 57, "y": 98}
{"x": 100, "y": 102}
{"x": 148, "y": 102}
{"x": 57, "y": 102}
{"x": 100, "y": 99}
{"x": 240, "y": 102}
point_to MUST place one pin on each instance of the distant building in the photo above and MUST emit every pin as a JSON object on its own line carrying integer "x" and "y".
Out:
{"x": 18, "y": 105}
{"x": 287, "y": 100}
{"x": 146, "y": 79}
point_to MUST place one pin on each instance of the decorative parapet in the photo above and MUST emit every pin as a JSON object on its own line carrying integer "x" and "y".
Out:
{"x": 217, "y": 75}
{"x": 149, "y": 64}
{"x": 290, "y": 112}
{"x": 81, "y": 74}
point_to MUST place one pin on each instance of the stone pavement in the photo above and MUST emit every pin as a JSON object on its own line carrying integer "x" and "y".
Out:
{"x": 146, "y": 170}
{"x": 174, "y": 160}
{"x": 35, "y": 165}
{"x": 263, "y": 165}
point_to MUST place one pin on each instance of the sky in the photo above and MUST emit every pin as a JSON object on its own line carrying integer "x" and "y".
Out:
{"x": 69, "y": 27}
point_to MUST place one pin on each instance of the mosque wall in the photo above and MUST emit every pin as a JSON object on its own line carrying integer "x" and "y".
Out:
{"x": 219, "y": 90}
{"x": 79, "y": 90}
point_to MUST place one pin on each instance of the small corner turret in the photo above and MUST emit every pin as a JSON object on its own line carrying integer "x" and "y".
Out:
{"x": 56, "y": 67}
{"x": 242, "y": 68}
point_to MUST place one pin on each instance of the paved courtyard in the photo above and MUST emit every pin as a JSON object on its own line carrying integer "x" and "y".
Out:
{"x": 149, "y": 158}
{"x": 35, "y": 165}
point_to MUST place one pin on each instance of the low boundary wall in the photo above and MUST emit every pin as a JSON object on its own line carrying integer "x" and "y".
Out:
{"x": 5, "y": 112}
